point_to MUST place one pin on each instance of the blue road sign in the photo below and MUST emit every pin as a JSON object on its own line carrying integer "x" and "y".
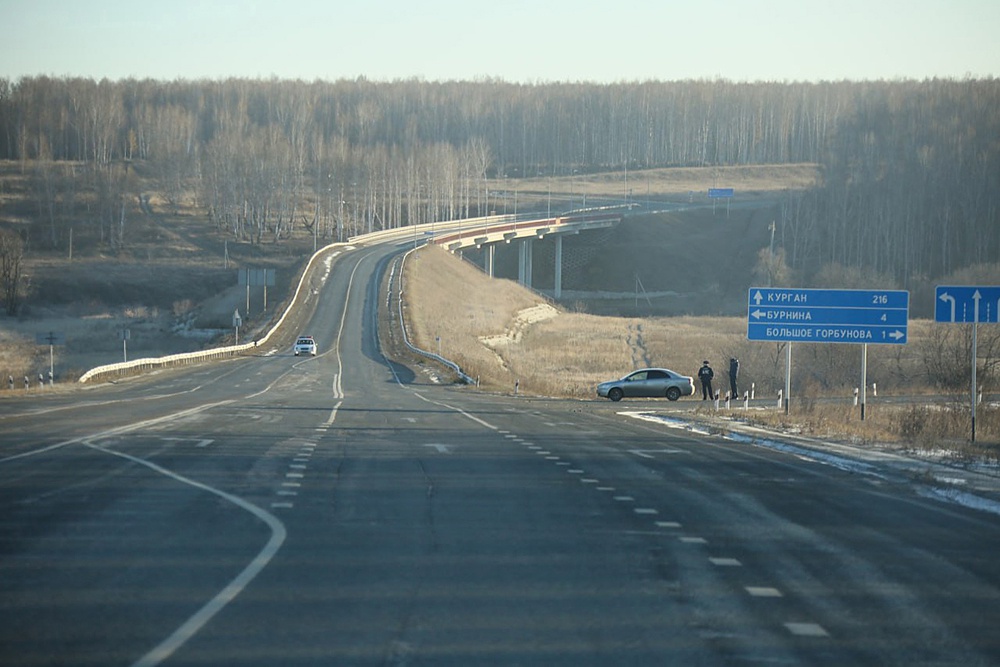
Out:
{"x": 828, "y": 316}
{"x": 967, "y": 303}
{"x": 720, "y": 192}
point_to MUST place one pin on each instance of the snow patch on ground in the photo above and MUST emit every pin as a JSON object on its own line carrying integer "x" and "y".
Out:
{"x": 524, "y": 319}
{"x": 947, "y": 492}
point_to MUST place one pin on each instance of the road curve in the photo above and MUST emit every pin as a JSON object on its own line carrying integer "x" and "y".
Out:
{"x": 342, "y": 510}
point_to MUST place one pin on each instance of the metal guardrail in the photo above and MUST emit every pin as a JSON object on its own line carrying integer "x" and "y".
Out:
{"x": 139, "y": 365}
{"x": 134, "y": 366}
{"x": 406, "y": 338}
{"x": 417, "y": 232}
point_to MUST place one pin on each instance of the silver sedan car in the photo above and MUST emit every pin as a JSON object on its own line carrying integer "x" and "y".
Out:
{"x": 648, "y": 383}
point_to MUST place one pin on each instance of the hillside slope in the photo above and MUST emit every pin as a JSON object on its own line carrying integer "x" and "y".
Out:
{"x": 694, "y": 262}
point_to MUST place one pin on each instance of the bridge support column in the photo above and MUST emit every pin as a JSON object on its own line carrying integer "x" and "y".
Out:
{"x": 557, "y": 287}
{"x": 489, "y": 250}
{"x": 524, "y": 263}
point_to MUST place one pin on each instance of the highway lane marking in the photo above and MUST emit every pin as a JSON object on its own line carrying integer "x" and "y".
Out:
{"x": 725, "y": 562}
{"x": 441, "y": 449}
{"x": 625, "y": 499}
{"x": 197, "y": 621}
{"x": 645, "y": 453}
{"x": 575, "y": 471}
{"x": 807, "y": 629}
{"x": 199, "y": 442}
{"x": 119, "y": 430}
{"x": 693, "y": 540}
{"x": 282, "y": 505}
{"x": 333, "y": 416}
{"x": 668, "y": 524}
{"x": 589, "y": 480}
{"x": 294, "y": 475}
{"x": 764, "y": 592}
{"x": 608, "y": 489}
{"x": 645, "y": 510}
{"x": 450, "y": 407}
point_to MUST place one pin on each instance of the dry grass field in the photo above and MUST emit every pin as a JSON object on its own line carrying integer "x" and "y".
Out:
{"x": 480, "y": 323}
{"x": 674, "y": 182}
{"x": 172, "y": 289}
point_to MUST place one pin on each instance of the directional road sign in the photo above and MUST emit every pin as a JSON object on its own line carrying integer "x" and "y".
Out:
{"x": 720, "y": 193}
{"x": 828, "y": 316}
{"x": 967, "y": 303}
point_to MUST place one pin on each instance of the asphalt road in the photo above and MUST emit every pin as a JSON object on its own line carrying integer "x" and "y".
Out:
{"x": 341, "y": 510}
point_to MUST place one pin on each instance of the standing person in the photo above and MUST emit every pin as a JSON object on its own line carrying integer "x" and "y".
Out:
{"x": 705, "y": 374}
{"x": 734, "y": 370}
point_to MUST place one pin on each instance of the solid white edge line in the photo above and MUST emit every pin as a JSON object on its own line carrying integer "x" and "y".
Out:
{"x": 190, "y": 627}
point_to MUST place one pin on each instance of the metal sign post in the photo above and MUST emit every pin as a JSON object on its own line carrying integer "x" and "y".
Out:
{"x": 52, "y": 338}
{"x": 968, "y": 304}
{"x": 255, "y": 278}
{"x": 827, "y": 316}
{"x": 721, "y": 193}
{"x": 237, "y": 321}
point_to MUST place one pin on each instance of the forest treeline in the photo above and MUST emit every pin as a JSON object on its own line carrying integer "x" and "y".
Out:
{"x": 911, "y": 169}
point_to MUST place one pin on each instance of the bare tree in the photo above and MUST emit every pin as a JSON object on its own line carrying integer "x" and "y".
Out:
{"x": 11, "y": 256}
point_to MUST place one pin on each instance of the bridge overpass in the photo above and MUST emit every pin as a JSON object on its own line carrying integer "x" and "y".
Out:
{"x": 525, "y": 233}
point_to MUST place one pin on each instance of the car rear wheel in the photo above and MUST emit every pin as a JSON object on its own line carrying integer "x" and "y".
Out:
{"x": 615, "y": 394}
{"x": 673, "y": 393}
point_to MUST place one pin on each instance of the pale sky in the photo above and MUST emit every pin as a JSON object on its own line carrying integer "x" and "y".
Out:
{"x": 525, "y": 41}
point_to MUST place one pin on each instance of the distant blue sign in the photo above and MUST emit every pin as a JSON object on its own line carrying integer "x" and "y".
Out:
{"x": 828, "y": 316}
{"x": 967, "y": 303}
{"x": 716, "y": 193}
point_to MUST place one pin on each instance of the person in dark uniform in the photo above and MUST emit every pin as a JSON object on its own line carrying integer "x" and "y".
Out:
{"x": 705, "y": 375}
{"x": 734, "y": 370}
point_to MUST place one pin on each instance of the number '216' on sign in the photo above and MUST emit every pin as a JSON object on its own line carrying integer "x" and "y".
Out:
{"x": 828, "y": 316}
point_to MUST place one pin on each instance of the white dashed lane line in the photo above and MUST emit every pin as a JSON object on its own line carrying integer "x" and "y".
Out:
{"x": 296, "y": 471}
{"x": 807, "y": 629}
{"x": 799, "y": 629}
{"x": 763, "y": 592}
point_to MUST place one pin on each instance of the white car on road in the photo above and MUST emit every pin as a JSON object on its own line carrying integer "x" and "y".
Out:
{"x": 305, "y": 345}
